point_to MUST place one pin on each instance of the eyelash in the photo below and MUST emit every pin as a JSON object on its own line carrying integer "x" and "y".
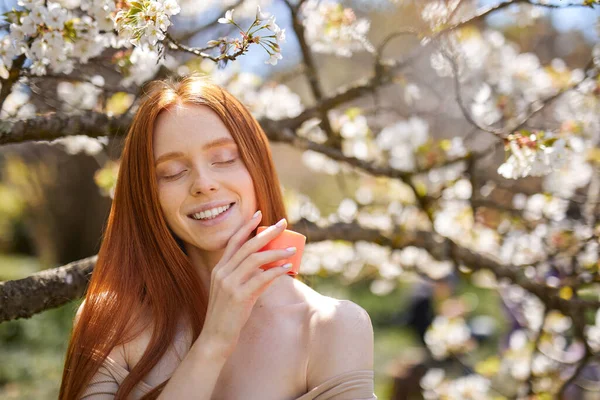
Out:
{"x": 176, "y": 175}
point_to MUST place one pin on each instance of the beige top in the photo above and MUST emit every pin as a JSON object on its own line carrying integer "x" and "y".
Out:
{"x": 359, "y": 384}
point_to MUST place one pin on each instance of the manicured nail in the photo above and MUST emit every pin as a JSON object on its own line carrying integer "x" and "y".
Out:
{"x": 280, "y": 223}
{"x": 256, "y": 214}
{"x": 291, "y": 249}
{"x": 287, "y": 266}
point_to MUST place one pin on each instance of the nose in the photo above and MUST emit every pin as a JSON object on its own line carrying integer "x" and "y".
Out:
{"x": 203, "y": 182}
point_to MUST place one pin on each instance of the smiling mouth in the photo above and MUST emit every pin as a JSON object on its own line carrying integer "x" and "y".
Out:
{"x": 191, "y": 216}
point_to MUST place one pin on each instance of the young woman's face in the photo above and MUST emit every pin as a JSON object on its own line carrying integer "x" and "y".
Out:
{"x": 192, "y": 173}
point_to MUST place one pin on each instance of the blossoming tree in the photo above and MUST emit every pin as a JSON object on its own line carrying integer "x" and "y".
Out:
{"x": 423, "y": 208}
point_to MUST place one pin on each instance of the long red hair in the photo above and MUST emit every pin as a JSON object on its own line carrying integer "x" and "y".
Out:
{"x": 141, "y": 264}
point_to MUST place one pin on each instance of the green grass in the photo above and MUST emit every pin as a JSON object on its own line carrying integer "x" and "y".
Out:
{"x": 32, "y": 353}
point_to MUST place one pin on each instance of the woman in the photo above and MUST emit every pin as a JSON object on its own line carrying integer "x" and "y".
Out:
{"x": 177, "y": 306}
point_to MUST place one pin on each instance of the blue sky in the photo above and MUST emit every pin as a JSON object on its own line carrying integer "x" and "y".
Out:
{"x": 580, "y": 18}
{"x": 583, "y": 19}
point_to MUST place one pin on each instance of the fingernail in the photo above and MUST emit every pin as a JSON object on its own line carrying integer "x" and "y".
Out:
{"x": 280, "y": 223}
{"x": 256, "y": 214}
{"x": 291, "y": 249}
{"x": 287, "y": 266}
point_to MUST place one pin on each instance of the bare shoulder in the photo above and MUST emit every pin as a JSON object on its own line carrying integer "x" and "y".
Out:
{"x": 139, "y": 339}
{"x": 128, "y": 353}
{"x": 330, "y": 313}
{"x": 78, "y": 313}
{"x": 341, "y": 340}
{"x": 117, "y": 354}
{"x": 333, "y": 315}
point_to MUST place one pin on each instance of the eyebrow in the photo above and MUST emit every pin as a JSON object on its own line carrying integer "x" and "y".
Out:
{"x": 176, "y": 154}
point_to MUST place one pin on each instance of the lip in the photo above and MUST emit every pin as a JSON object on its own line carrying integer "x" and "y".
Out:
{"x": 216, "y": 220}
{"x": 210, "y": 206}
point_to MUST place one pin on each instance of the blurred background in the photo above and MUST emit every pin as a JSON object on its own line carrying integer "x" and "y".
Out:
{"x": 55, "y": 198}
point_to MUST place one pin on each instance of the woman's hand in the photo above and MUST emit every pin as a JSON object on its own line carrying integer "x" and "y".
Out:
{"x": 237, "y": 282}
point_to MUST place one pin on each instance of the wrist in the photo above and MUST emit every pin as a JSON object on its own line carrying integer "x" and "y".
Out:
{"x": 210, "y": 349}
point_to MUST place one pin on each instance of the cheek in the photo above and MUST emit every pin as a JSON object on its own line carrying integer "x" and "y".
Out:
{"x": 168, "y": 203}
{"x": 246, "y": 188}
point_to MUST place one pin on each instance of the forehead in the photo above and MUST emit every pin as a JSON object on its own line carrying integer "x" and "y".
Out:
{"x": 185, "y": 126}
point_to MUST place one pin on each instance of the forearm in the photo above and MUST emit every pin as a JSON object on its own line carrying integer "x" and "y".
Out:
{"x": 196, "y": 375}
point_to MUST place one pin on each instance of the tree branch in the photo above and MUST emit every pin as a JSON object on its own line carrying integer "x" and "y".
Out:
{"x": 73, "y": 78}
{"x": 201, "y": 51}
{"x": 47, "y": 289}
{"x": 30, "y": 129}
{"x": 460, "y": 101}
{"x": 484, "y": 12}
{"x": 51, "y": 288}
{"x": 312, "y": 75}
{"x": 54, "y": 126}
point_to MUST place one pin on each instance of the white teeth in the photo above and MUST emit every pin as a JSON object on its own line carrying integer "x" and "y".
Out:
{"x": 210, "y": 214}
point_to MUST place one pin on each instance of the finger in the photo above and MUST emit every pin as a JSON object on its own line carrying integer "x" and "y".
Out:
{"x": 261, "y": 281}
{"x": 256, "y": 260}
{"x": 239, "y": 238}
{"x": 253, "y": 246}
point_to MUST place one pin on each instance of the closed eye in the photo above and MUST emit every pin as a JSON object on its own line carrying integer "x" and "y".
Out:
{"x": 174, "y": 176}
{"x": 227, "y": 162}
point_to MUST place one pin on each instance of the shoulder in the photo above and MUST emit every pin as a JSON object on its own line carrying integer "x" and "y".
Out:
{"x": 341, "y": 340}
{"x": 331, "y": 315}
{"x": 78, "y": 312}
{"x": 138, "y": 334}
{"x": 117, "y": 354}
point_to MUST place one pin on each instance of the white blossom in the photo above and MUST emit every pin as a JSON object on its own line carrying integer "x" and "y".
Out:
{"x": 56, "y": 16}
{"x": 271, "y": 43}
{"x": 484, "y": 107}
{"x": 275, "y": 102}
{"x": 435, "y": 12}
{"x": 353, "y": 126}
{"x": 401, "y": 139}
{"x": 331, "y": 28}
{"x": 311, "y": 130}
{"x": 145, "y": 25}
{"x": 533, "y": 158}
{"x": 382, "y": 287}
{"x": 432, "y": 378}
{"x": 7, "y": 51}
{"x": 78, "y": 96}
{"x": 143, "y": 65}
{"x": 454, "y": 219}
{"x": 457, "y": 148}
{"x": 260, "y": 15}
{"x": 17, "y": 103}
{"x": 471, "y": 387}
{"x": 228, "y": 19}
{"x": 412, "y": 93}
{"x": 319, "y": 162}
{"x": 446, "y": 336}
{"x": 347, "y": 210}
{"x": 273, "y": 59}
{"x": 590, "y": 255}
{"x": 75, "y": 144}
{"x": 572, "y": 175}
